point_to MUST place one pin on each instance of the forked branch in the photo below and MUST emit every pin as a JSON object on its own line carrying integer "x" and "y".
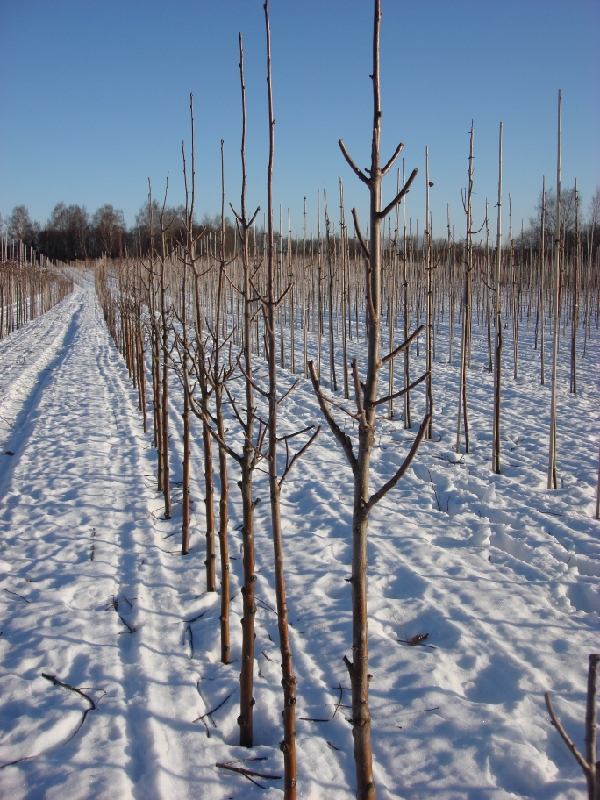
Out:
{"x": 289, "y": 463}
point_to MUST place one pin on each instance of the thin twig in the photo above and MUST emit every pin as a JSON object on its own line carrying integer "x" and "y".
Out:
{"x": 18, "y": 595}
{"x": 92, "y": 707}
{"x": 247, "y": 773}
{"x": 339, "y": 702}
{"x": 434, "y": 489}
{"x": 210, "y": 713}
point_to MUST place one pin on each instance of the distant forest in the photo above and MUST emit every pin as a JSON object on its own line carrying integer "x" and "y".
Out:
{"x": 71, "y": 233}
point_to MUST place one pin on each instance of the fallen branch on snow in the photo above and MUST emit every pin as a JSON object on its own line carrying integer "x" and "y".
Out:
{"x": 92, "y": 707}
{"x": 247, "y": 773}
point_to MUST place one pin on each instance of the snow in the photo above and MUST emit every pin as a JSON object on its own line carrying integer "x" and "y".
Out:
{"x": 499, "y": 572}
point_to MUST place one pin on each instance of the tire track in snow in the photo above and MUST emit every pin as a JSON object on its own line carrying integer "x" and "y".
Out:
{"x": 57, "y": 496}
{"x": 170, "y": 753}
{"x": 22, "y": 382}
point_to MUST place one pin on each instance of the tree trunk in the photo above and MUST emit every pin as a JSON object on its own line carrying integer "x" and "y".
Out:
{"x": 165, "y": 393}
{"x": 288, "y": 679}
{"x": 498, "y": 319}
{"x": 551, "y": 480}
{"x": 575, "y": 301}
{"x": 223, "y": 521}
{"x": 245, "y": 719}
{"x": 542, "y": 276}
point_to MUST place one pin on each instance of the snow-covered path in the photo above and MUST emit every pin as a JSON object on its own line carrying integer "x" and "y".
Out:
{"x": 76, "y": 534}
{"x": 501, "y": 574}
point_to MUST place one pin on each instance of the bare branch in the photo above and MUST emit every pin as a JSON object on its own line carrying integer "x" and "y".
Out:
{"x": 357, "y": 387}
{"x": 298, "y": 454}
{"x": 289, "y": 391}
{"x": 261, "y": 298}
{"x": 296, "y": 433}
{"x": 282, "y": 296}
{"x": 381, "y": 493}
{"x": 363, "y": 244}
{"x": 336, "y": 405}
{"x": 401, "y": 392}
{"x": 260, "y": 390}
{"x": 392, "y": 160}
{"x": 564, "y": 736}
{"x": 402, "y": 347}
{"x": 253, "y": 217}
{"x": 405, "y": 190}
{"x": 357, "y": 171}
{"x": 339, "y": 434}
{"x": 56, "y": 682}
{"x": 248, "y": 773}
{"x": 234, "y": 406}
{"x": 208, "y": 422}
{"x": 232, "y": 284}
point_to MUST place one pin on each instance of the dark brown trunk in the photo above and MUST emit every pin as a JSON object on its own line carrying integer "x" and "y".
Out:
{"x": 245, "y": 719}
{"x": 223, "y": 521}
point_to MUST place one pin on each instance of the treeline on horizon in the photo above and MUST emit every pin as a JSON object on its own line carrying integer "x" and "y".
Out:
{"x": 71, "y": 233}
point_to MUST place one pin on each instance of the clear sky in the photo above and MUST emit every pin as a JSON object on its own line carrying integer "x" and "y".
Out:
{"x": 94, "y": 100}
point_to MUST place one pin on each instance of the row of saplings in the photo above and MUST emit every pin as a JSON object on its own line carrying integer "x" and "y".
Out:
{"x": 161, "y": 298}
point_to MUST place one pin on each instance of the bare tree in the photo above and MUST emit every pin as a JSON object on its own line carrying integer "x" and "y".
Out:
{"x": 20, "y": 226}
{"x": 288, "y": 679}
{"x": 542, "y": 314}
{"x": 269, "y": 305}
{"x": 366, "y": 403}
{"x": 251, "y": 448}
{"x": 164, "y": 323}
{"x": 552, "y": 481}
{"x": 498, "y": 318}
{"x": 463, "y": 410}
{"x": 108, "y": 229}
{"x": 575, "y": 299}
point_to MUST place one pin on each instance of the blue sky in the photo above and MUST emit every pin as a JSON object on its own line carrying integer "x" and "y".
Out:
{"x": 94, "y": 99}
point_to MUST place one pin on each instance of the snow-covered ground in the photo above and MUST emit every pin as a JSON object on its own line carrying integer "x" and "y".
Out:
{"x": 499, "y": 572}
